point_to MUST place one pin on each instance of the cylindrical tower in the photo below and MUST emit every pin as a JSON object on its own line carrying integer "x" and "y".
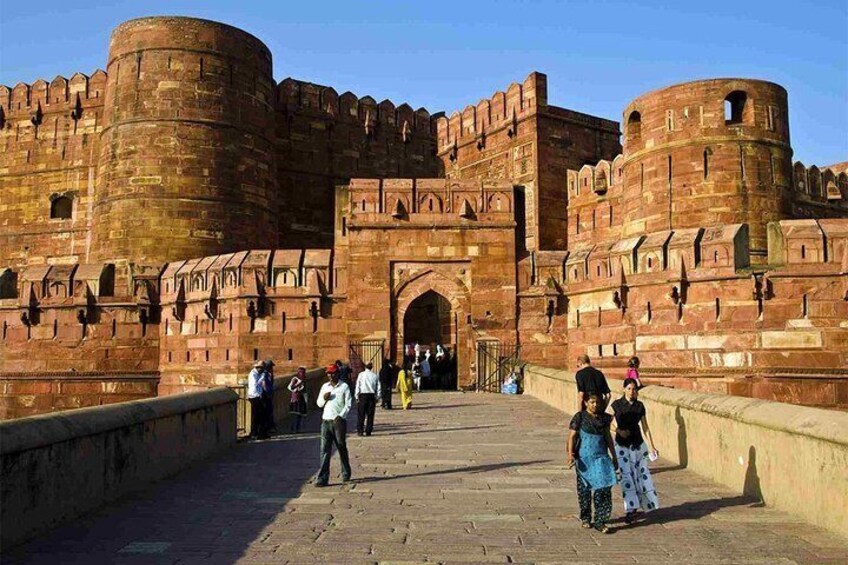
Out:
{"x": 186, "y": 164}
{"x": 706, "y": 153}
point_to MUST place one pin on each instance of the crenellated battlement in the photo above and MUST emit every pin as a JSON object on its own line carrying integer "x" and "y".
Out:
{"x": 427, "y": 198}
{"x": 59, "y": 94}
{"x": 816, "y": 245}
{"x": 502, "y": 110}
{"x": 297, "y": 96}
{"x": 822, "y": 184}
{"x": 254, "y": 273}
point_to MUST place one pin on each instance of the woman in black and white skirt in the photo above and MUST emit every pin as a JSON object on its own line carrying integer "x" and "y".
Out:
{"x": 637, "y": 486}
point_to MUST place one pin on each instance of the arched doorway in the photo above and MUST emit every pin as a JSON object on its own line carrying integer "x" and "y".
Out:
{"x": 429, "y": 322}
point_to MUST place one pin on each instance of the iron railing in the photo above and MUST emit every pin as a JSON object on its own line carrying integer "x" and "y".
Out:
{"x": 495, "y": 361}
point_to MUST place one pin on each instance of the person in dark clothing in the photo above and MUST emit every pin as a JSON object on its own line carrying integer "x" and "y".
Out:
{"x": 590, "y": 380}
{"x": 386, "y": 385}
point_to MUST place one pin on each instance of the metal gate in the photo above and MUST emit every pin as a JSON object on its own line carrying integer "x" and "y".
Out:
{"x": 495, "y": 361}
{"x": 366, "y": 351}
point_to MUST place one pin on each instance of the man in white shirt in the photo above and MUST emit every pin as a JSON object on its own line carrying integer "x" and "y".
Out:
{"x": 367, "y": 391}
{"x": 335, "y": 398}
{"x": 256, "y": 385}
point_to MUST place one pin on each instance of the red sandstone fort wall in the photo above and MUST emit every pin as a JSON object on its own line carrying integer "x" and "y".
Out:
{"x": 325, "y": 139}
{"x": 222, "y": 313}
{"x": 187, "y": 147}
{"x": 689, "y": 163}
{"x": 454, "y": 237}
{"x": 213, "y": 221}
{"x": 516, "y": 136}
{"x": 50, "y": 140}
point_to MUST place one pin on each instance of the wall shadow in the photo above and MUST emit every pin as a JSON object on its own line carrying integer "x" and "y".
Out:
{"x": 682, "y": 446}
{"x": 751, "y": 486}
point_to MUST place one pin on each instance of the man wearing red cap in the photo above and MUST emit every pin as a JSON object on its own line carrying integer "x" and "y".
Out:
{"x": 335, "y": 399}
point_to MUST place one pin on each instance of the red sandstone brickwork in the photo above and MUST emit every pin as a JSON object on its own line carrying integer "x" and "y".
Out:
{"x": 206, "y": 217}
{"x": 188, "y": 143}
{"x": 457, "y": 238}
{"x": 50, "y": 141}
{"x": 516, "y": 136}
{"x": 687, "y": 165}
{"x": 222, "y": 313}
{"x": 325, "y": 139}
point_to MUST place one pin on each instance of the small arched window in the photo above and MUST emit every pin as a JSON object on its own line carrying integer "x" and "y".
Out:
{"x": 734, "y": 107}
{"x": 62, "y": 208}
{"x": 634, "y": 125}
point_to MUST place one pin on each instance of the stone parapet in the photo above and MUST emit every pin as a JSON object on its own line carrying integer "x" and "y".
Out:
{"x": 60, "y": 466}
{"x": 778, "y": 453}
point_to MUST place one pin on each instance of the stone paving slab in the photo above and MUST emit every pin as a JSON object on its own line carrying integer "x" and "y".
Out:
{"x": 480, "y": 480}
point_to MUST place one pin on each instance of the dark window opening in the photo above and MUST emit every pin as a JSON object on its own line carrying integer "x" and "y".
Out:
{"x": 803, "y": 252}
{"x": 62, "y": 208}
{"x": 734, "y": 107}
{"x": 804, "y": 310}
{"x": 706, "y": 163}
{"x": 291, "y": 355}
{"x": 634, "y": 125}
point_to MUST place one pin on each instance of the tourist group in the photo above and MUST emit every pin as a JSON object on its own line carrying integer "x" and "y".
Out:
{"x": 604, "y": 449}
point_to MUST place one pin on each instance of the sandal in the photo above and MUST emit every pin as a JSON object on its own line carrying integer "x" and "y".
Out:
{"x": 586, "y": 525}
{"x": 630, "y": 517}
{"x": 603, "y": 529}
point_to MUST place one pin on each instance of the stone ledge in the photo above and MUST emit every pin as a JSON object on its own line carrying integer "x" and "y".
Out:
{"x": 39, "y": 431}
{"x": 816, "y": 423}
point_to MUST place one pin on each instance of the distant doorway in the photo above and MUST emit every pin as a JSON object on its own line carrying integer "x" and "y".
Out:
{"x": 428, "y": 322}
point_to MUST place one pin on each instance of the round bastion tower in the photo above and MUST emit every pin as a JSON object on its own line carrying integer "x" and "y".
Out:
{"x": 706, "y": 153}
{"x": 186, "y": 164}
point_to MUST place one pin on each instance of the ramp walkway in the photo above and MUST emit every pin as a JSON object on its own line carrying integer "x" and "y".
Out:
{"x": 460, "y": 478}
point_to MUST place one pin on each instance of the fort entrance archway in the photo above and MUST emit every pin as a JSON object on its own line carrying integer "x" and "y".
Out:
{"x": 431, "y": 304}
{"x": 428, "y": 322}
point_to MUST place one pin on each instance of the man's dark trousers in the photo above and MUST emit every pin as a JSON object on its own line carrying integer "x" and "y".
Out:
{"x": 365, "y": 410}
{"x": 333, "y": 432}
{"x": 257, "y": 417}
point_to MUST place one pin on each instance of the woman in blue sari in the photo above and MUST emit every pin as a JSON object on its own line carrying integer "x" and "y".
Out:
{"x": 590, "y": 447}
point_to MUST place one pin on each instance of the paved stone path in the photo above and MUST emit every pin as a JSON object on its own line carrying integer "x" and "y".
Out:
{"x": 461, "y": 478}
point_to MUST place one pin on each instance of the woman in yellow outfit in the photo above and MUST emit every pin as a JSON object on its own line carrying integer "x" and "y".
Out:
{"x": 404, "y": 386}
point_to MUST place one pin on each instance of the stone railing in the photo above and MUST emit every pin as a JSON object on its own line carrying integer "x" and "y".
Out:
{"x": 62, "y": 465}
{"x": 791, "y": 457}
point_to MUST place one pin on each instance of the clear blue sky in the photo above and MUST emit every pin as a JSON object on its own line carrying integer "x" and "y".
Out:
{"x": 443, "y": 55}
